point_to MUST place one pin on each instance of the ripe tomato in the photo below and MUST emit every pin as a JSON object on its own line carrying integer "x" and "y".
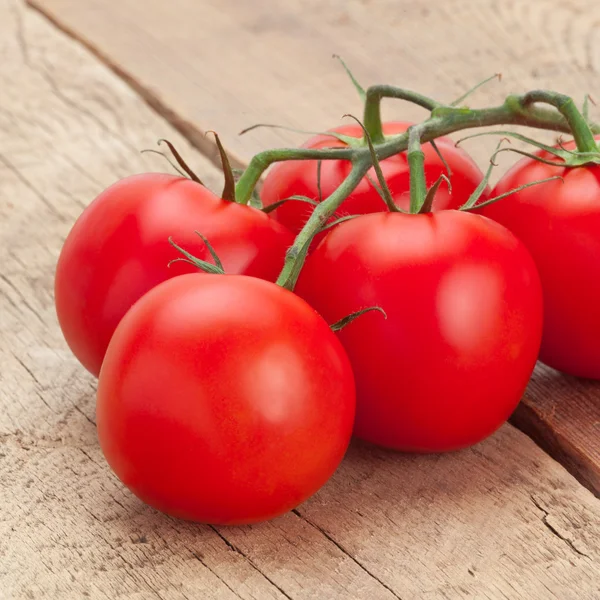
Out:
{"x": 463, "y": 328}
{"x": 300, "y": 178}
{"x": 559, "y": 222}
{"x": 118, "y": 250}
{"x": 224, "y": 399}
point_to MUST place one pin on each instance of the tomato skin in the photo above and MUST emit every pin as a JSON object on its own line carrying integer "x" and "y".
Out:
{"x": 290, "y": 178}
{"x": 224, "y": 399}
{"x": 559, "y": 222}
{"x": 118, "y": 250}
{"x": 463, "y": 328}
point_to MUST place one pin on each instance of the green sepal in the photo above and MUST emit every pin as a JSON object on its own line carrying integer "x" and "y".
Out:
{"x": 339, "y": 325}
{"x": 510, "y": 193}
{"x": 228, "y": 192}
{"x": 346, "y": 139}
{"x": 151, "y": 151}
{"x": 430, "y": 196}
{"x": 474, "y": 197}
{"x": 359, "y": 88}
{"x": 180, "y": 161}
{"x": 338, "y": 221}
{"x": 203, "y": 265}
{"x": 462, "y": 98}
{"x": 276, "y": 205}
{"x": 441, "y": 157}
{"x": 568, "y": 158}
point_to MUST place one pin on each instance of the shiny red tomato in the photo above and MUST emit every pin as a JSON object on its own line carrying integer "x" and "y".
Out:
{"x": 464, "y": 319}
{"x": 559, "y": 222}
{"x": 118, "y": 250}
{"x": 291, "y": 178}
{"x": 224, "y": 399}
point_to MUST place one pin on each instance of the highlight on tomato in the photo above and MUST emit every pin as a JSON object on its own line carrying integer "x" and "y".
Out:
{"x": 463, "y": 329}
{"x": 224, "y": 399}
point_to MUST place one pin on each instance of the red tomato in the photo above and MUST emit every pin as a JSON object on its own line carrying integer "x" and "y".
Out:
{"x": 118, "y": 250}
{"x": 300, "y": 178}
{"x": 464, "y": 309}
{"x": 224, "y": 399}
{"x": 559, "y": 222}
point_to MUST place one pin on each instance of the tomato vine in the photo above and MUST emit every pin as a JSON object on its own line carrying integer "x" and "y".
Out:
{"x": 444, "y": 119}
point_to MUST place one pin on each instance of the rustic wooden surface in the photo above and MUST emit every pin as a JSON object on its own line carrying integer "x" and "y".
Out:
{"x": 225, "y": 64}
{"x": 501, "y": 520}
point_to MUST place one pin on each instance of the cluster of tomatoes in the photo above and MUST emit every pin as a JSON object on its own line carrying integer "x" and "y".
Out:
{"x": 225, "y": 398}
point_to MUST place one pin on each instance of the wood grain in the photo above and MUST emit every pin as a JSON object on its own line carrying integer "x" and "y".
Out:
{"x": 68, "y": 529}
{"x": 502, "y": 520}
{"x": 563, "y": 415}
{"x": 225, "y": 64}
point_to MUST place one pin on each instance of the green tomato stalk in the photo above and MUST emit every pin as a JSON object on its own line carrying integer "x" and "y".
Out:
{"x": 443, "y": 120}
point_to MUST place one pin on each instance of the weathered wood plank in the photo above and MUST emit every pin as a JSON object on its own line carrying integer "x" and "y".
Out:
{"x": 68, "y": 529}
{"x": 562, "y": 414}
{"x": 224, "y": 64}
{"x": 466, "y": 525}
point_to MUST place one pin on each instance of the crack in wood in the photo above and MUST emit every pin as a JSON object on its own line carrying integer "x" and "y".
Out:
{"x": 24, "y": 365}
{"x": 346, "y": 553}
{"x": 13, "y": 287}
{"x": 11, "y": 167}
{"x": 78, "y": 409}
{"x": 250, "y": 561}
{"x": 555, "y": 531}
{"x": 195, "y": 136}
{"x": 199, "y": 559}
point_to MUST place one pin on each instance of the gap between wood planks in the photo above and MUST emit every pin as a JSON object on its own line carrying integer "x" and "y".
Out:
{"x": 554, "y": 437}
{"x": 197, "y": 137}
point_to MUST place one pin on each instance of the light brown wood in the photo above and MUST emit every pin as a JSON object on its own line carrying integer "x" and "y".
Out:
{"x": 563, "y": 415}
{"x": 502, "y": 520}
{"x": 225, "y": 64}
{"x": 68, "y": 128}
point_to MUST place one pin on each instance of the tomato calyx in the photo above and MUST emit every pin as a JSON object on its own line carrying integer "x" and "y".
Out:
{"x": 348, "y": 140}
{"x": 430, "y": 196}
{"x": 181, "y": 167}
{"x": 228, "y": 192}
{"x": 203, "y": 265}
{"x": 563, "y": 157}
{"x": 276, "y": 205}
{"x": 464, "y": 96}
{"x": 184, "y": 169}
{"x": 473, "y": 202}
{"x": 344, "y": 322}
{"x": 338, "y": 221}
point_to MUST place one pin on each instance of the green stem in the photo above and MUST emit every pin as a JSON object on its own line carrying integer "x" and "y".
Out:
{"x": 372, "y": 113}
{"x": 416, "y": 164}
{"x": 516, "y": 110}
{"x": 584, "y": 138}
{"x": 261, "y": 162}
{"x": 295, "y": 255}
{"x": 444, "y": 120}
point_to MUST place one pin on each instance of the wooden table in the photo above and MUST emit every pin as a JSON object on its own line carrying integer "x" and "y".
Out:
{"x": 501, "y": 520}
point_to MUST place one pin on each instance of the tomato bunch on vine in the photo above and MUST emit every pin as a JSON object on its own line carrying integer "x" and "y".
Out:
{"x": 375, "y": 286}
